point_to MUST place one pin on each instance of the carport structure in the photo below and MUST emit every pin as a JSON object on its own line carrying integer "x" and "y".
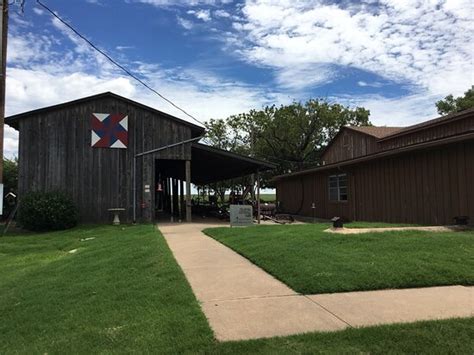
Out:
{"x": 208, "y": 165}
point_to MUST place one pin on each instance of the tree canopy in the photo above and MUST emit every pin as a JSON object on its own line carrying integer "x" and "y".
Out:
{"x": 10, "y": 182}
{"x": 450, "y": 104}
{"x": 292, "y": 136}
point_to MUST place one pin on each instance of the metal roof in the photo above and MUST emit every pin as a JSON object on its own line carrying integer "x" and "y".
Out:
{"x": 209, "y": 165}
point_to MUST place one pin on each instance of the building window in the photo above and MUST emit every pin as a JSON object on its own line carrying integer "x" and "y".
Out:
{"x": 338, "y": 187}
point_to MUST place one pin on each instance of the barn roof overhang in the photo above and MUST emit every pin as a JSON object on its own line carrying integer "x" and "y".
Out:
{"x": 209, "y": 165}
{"x": 379, "y": 155}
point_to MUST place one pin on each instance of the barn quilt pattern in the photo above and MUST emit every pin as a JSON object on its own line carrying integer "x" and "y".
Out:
{"x": 109, "y": 130}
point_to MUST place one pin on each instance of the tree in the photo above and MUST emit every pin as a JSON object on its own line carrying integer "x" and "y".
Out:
{"x": 10, "y": 183}
{"x": 453, "y": 105}
{"x": 291, "y": 136}
{"x": 227, "y": 135}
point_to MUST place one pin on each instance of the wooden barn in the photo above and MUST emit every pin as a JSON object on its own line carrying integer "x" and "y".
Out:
{"x": 107, "y": 151}
{"x": 418, "y": 174}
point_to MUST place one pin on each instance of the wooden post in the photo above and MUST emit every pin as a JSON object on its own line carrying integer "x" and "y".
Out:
{"x": 175, "y": 198}
{"x": 258, "y": 197}
{"x": 172, "y": 207}
{"x": 181, "y": 200}
{"x": 3, "y": 69}
{"x": 252, "y": 182}
{"x": 188, "y": 191}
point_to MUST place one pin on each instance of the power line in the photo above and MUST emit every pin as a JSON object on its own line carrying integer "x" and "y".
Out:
{"x": 125, "y": 70}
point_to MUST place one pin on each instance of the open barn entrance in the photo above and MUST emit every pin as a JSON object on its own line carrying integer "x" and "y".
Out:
{"x": 170, "y": 190}
{"x": 208, "y": 165}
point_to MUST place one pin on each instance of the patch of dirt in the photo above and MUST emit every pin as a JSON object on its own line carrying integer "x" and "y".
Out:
{"x": 391, "y": 229}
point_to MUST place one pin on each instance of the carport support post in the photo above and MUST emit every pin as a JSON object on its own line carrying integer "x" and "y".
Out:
{"x": 258, "y": 197}
{"x": 181, "y": 200}
{"x": 172, "y": 192}
{"x": 188, "y": 191}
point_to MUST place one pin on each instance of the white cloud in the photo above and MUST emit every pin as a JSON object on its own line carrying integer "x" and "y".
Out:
{"x": 304, "y": 76}
{"x": 204, "y": 15}
{"x": 186, "y": 24}
{"x": 425, "y": 44}
{"x": 221, "y": 13}
{"x": 38, "y": 11}
{"x": 122, "y": 48}
{"x": 374, "y": 84}
{"x": 76, "y": 73}
{"x": 304, "y": 42}
{"x": 27, "y": 48}
{"x": 396, "y": 112}
{"x": 169, "y": 3}
{"x": 18, "y": 20}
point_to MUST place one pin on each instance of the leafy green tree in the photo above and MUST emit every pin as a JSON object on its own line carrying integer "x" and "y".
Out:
{"x": 10, "y": 183}
{"x": 10, "y": 175}
{"x": 292, "y": 136}
{"x": 225, "y": 134}
{"x": 450, "y": 104}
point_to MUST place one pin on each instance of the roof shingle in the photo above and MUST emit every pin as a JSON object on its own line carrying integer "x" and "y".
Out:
{"x": 377, "y": 132}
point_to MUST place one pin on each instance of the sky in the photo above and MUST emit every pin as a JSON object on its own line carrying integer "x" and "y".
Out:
{"x": 215, "y": 58}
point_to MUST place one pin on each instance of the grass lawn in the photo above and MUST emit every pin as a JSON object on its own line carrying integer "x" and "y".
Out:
{"x": 311, "y": 261}
{"x": 263, "y": 197}
{"x": 123, "y": 292}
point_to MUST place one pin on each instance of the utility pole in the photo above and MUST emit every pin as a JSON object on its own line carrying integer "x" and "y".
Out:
{"x": 3, "y": 68}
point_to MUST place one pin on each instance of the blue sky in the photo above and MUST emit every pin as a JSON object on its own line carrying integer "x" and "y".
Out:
{"x": 217, "y": 58}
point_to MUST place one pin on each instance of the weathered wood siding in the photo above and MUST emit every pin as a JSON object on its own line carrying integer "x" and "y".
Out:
{"x": 55, "y": 153}
{"x": 348, "y": 145}
{"x": 427, "y": 187}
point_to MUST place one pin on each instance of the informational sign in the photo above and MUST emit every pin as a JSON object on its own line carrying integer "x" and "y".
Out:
{"x": 241, "y": 215}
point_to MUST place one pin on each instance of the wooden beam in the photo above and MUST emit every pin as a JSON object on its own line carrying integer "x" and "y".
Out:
{"x": 188, "y": 191}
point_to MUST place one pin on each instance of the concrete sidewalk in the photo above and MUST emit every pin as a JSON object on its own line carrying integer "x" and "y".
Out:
{"x": 241, "y": 301}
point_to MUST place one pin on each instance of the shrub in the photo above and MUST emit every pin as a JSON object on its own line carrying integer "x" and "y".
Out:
{"x": 44, "y": 211}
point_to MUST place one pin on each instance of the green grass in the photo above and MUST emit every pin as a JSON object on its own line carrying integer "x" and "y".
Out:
{"x": 268, "y": 197}
{"x": 311, "y": 261}
{"x": 435, "y": 337}
{"x": 123, "y": 292}
{"x": 264, "y": 197}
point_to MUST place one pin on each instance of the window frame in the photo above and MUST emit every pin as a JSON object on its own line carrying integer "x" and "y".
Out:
{"x": 335, "y": 188}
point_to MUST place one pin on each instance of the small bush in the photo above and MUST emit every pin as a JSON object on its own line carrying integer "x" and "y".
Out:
{"x": 45, "y": 211}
